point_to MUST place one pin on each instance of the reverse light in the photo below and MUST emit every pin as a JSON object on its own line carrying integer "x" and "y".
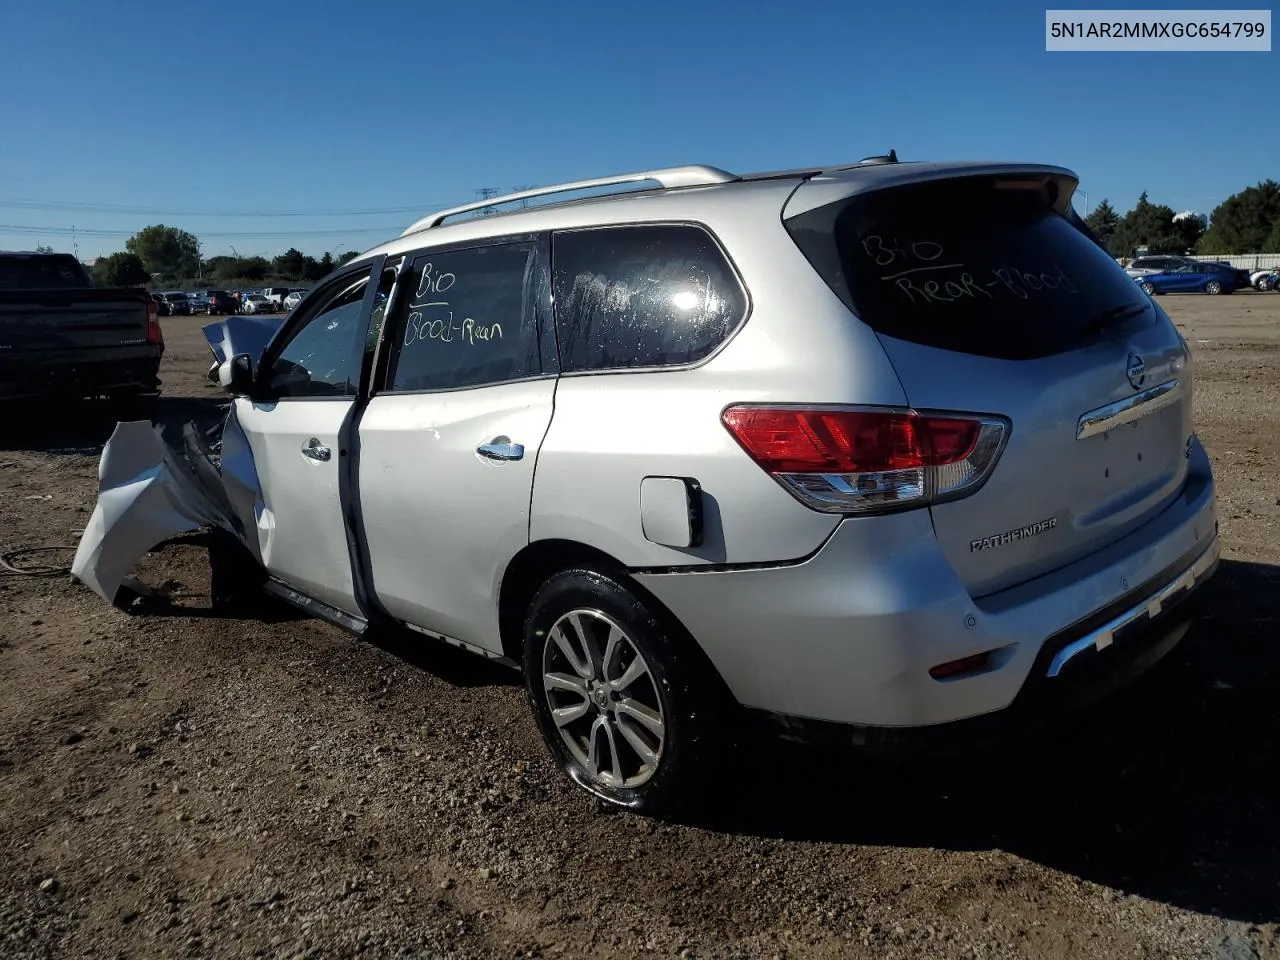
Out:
{"x": 860, "y": 461}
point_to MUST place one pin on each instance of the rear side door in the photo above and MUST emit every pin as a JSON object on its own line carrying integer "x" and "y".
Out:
{"x": 298, "y": 429}
{"x": 988, "y": 301}
{"x": 1186, "y": 278}
{"x": 450, "y": 437}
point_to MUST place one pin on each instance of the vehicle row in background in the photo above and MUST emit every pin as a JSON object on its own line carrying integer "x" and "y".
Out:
{"x": 178, "y": 303}
{"x": 1190, "y": 276}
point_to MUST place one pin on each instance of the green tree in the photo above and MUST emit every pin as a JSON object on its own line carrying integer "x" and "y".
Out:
{"x": 254, "y": 269}
{"x": 1104, "y": 221}
{"x": 167, "y": 251}
{"x": 316, "y": 269}
{"x": 43, "y": 248}
{"x": 120, "y": 270}
{"x": 1185, "y": 233}
{"x": 347, "y": 257}
{"x": 1272, "y": 244}
{"x": 222, "y": 268}
{"x": 291, "y": 264}
{"x": 1245, "y": 221}
{"x": 1151, "y": 225}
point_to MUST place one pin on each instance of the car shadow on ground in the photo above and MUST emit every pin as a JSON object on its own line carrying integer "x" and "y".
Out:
{"x": 1166, "y": 790}
{"x": 83, "y": 427}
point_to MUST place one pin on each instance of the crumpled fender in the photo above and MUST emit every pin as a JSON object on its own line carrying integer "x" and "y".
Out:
{"x": 238, "y": 334}
{"x": 149, "y": 493}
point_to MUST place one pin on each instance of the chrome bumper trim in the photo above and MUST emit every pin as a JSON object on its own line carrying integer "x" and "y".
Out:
{"x": 1128, "y": 410}
{"x": 1103, "y": 637}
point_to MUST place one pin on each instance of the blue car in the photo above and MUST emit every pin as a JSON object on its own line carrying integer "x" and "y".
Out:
{"x": 1191, "y": 278}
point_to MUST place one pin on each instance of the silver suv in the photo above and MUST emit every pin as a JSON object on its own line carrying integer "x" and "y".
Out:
{"x": 858, "y": 452}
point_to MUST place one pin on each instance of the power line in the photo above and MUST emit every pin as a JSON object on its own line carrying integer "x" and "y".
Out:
{"x": 393, "y": 231}
{"x": 89, "y": 207}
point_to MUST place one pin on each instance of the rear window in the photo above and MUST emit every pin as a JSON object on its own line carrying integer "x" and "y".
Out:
{"x": 972, "y": 266}
{"x": 48, "y": 272}
{"x": 658, "y": 295}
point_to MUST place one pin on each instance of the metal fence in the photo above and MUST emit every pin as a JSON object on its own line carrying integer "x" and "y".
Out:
{"x": 1247, "y": 261}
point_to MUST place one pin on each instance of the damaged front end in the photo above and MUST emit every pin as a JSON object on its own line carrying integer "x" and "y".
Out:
{"x": 151, "y": 490}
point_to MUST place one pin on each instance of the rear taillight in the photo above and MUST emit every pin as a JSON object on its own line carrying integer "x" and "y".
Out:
{"x": 154, "y": 336}
{"x": 869, "y": 461}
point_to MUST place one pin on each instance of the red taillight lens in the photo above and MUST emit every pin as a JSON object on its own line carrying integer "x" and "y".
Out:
{"x": 154, "y": 335}
{"x": 858, "y": 461}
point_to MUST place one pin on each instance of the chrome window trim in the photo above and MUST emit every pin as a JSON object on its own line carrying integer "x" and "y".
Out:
{"x": 1117, "y": 414}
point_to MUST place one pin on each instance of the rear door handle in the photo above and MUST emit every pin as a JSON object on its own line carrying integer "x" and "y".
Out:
{"x": 501, "y": 448}
{"x": 313, "y": 449}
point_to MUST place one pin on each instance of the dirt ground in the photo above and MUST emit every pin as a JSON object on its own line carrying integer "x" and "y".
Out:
{"x": 178, "y": 785}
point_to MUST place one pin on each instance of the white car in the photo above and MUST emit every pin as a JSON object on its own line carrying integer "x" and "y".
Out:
{"x": 1257, "y": 277}
{"x": 293, "y": 299}
{"x": 257, "y": 303}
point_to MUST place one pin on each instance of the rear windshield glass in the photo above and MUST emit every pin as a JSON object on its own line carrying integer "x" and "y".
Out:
{"x": 969, "y": 266}
{"x": 42, "y": 273}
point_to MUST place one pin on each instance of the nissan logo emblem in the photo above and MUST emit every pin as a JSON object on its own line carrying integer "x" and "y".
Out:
{"x": 1136, "y": 371}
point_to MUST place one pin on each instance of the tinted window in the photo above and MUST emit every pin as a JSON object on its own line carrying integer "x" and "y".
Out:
{"x": 468, "y": 318}
{"x": 42, "y": 272}
{"x": 323, "y": 357}
{"x": 973, "y": 266}
{"x": 647, "y": 296}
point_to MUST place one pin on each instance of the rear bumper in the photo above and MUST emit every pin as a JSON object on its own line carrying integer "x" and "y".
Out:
{"x": 79, "y": 376}
{"x": 848, "y": 637}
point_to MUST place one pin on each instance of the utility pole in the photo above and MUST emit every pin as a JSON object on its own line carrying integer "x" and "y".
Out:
{"x": 75, "y": 248}
{"x": 524, "y": 204}
{"x": 486, "y": 193}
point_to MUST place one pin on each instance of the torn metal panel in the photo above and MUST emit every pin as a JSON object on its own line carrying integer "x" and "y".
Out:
{"x": 238, "y": 334}
{"x": 149, "y": 492}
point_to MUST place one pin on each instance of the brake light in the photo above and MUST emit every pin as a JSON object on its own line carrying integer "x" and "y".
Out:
{"x": 154, "y": 334}
{"x": 866, "y": 461}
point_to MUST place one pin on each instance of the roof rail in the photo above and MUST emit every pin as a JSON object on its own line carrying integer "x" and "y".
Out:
{"x": 694, "y": 175}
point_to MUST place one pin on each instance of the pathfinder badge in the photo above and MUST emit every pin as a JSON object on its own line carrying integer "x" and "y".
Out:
{"x": 1020, "y": 533}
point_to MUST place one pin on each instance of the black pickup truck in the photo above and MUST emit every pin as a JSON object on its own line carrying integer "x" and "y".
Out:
{"x": 60, "y": 338}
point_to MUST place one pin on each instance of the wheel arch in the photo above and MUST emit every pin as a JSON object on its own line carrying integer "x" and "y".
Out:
{"x": 540, "y": 560}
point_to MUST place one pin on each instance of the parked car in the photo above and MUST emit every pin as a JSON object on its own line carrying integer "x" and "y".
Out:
{"x": 61, "y": 338}
{"x": 294, "y": 298}
{"x": 1141, "y": 266}
{"x": 1193, "y": 277}
{"x": 275, "y": 294}
{"x": 257, "y": 303}
{"x": 163, "y": 307}
{"x": 179, "y": 303}
{"x": 1269, "y": 281}
{"x": 1262, "y": 279}
{"x": 198, "y": 302}
{"x": 795, "y": 461}
{"x": 219, "y": 301}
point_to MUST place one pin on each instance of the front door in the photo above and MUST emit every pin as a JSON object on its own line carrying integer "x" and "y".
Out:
{"x": 299, "y": 433}
{"x": 448, "y": 443}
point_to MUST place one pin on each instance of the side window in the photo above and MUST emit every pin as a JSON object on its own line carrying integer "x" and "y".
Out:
{"x": 644, "y": 296}
{"x": 323, "y": 357}
{"x": 468, "y": 318}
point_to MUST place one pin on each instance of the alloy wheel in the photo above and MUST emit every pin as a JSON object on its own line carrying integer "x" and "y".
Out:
{"x": 603, "y": 699}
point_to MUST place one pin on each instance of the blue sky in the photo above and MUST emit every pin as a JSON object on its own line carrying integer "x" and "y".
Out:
{"x": 120, "y": 115}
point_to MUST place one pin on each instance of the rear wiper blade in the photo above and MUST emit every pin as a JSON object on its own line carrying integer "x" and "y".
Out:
{"x": 1115, "y": 316}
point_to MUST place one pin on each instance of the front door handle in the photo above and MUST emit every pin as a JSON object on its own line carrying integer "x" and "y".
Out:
{"x": 501, "y": 448}
{"x": 313, "y": 449}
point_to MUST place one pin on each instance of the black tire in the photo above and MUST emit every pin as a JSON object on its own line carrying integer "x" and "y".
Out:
{"x": 691, "y": 700}
{"x": 1149, "y": 289}
{"x": 1213, "y": 288}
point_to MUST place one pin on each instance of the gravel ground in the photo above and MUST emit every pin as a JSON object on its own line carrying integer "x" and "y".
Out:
{"x": 179, "y": 785}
